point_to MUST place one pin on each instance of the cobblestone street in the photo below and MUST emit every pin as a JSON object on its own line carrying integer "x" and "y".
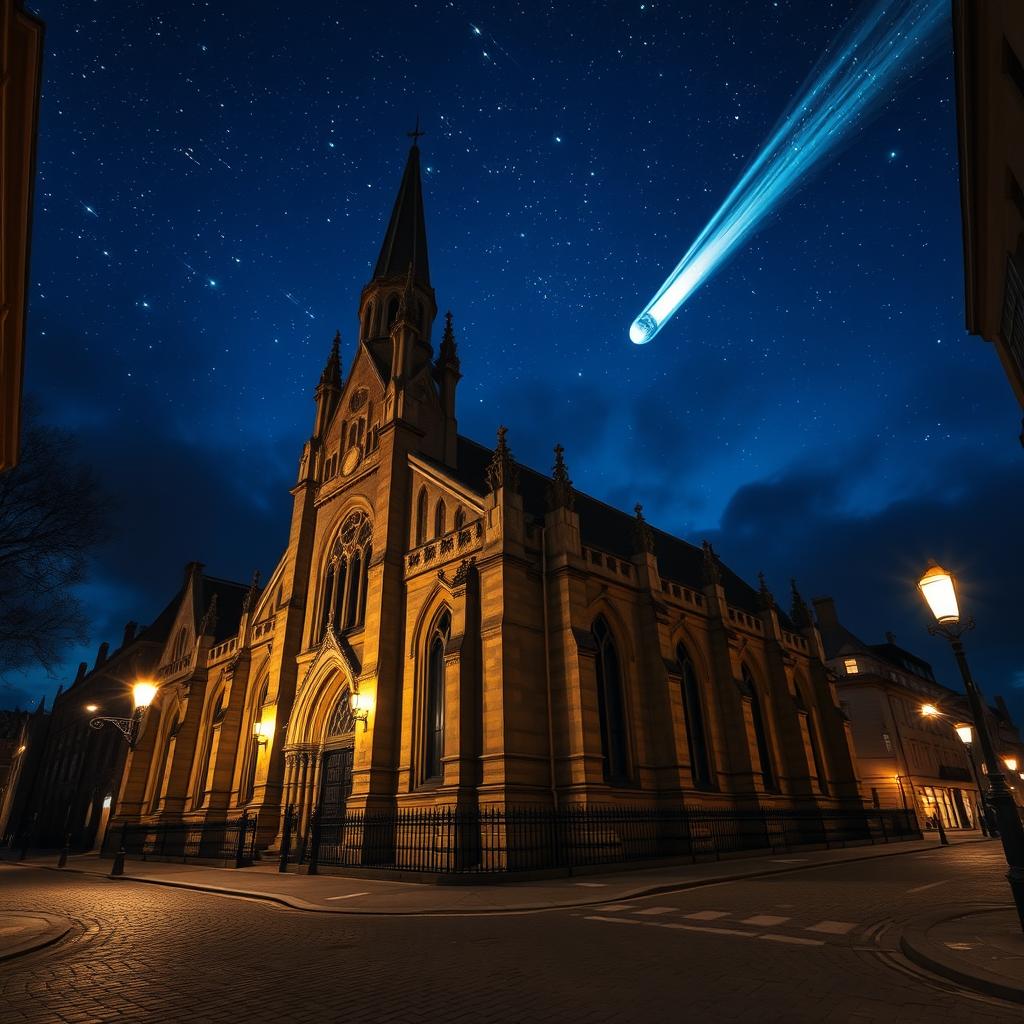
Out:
{"x": 814, "y": 945}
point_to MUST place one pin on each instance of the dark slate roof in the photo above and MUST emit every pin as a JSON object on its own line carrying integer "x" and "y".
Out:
{"x": 609, "y": 529}
{"x": 839, "y": 639}
{"x": 903, "y": 659}
{"x": 230, "y": 597}
{"x": 405, "y": 240}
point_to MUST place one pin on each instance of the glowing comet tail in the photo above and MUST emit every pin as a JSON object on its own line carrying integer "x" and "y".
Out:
{"x": 862, "y": 68}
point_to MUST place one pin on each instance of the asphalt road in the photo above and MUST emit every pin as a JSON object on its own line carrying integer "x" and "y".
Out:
{"x": 815, "y": 945}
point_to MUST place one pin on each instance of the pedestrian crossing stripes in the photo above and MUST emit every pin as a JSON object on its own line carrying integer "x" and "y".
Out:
{"x": 751, "y": 927}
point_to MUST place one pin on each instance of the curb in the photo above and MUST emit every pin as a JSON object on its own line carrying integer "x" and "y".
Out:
{"x": 933, "y": 957}
{"x": 297, "y": 903}
{"x": 59, "y": 927}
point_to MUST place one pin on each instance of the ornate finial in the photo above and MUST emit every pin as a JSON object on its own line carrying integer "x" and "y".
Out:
{"x": 250, "y": 595}
{"x": 502, "y": 471}
{"x": 712, "y": 571}
{"x": 799, "y": 612}
{"x": 448, "y": 355}
{"x": 416, "y": 134}
{"x": 643, "y": 536}
{"x": 332, "y": 368}
{"x": 209, "y": 622}
{"x": 764, "y": 595}
{"x": 560, "y": 492}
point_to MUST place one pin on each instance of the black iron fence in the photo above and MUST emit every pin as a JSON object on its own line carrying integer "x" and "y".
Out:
{"x": 207, "y": 840}
{"x": 502, "y": 840}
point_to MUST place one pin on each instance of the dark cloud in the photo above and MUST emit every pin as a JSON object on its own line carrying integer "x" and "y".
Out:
{"x": 799, "y": 524}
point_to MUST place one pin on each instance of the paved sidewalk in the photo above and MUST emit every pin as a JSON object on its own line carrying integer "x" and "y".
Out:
{"x": 982, "y": 948}
{"x": 338, "y": 894}
{"x": 23, "y": 932}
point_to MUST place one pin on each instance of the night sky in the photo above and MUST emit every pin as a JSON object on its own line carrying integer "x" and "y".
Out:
{"x": 214, "y": 183}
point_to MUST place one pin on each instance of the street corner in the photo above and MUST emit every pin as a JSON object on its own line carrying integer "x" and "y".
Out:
{"x": 25, "y": 931}
{"x": 981, "y": 948}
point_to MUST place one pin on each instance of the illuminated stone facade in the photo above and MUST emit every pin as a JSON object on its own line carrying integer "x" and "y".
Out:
{"x": 513, "y": 641}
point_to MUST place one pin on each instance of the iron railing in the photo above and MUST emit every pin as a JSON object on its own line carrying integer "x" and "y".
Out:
{"x": 503, "y": 840}
{"x": 207, "y": 840}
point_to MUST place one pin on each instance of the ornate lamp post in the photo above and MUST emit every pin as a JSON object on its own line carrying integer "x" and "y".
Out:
{"x": 143, "y": 693}
{"x": 939, "y": 589}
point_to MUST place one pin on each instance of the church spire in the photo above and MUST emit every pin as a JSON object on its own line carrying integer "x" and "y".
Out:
{"x": 328, "y": 391}
{"x": 405, "y": 241}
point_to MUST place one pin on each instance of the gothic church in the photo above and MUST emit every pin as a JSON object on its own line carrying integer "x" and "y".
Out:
{"x": 447, "y": 628}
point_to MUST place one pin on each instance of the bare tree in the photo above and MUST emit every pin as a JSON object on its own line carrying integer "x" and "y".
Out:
{"x": 52, "y": 514}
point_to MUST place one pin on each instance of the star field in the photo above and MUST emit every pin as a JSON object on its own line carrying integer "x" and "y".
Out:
{"x": 214, "y": 180}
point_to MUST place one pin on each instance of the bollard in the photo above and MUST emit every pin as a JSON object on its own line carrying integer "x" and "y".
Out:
{"x": 118, "y": 868}
{"x": 286, "y": 839}
{"x": 62, "y": 861}
{"x": 243, "y": 831}
{"x": 314, "y": 852}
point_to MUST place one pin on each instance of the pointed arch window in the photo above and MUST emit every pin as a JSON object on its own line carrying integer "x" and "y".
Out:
{"x": 253, "y": 748}
{"x": 421, "y": 517}
{"x": 610, "y": 705}
{"x": 760, "y": 733}
{"x": 346, "y": 577}
{"x": 460, "y": 518}
{"x": 368, "y": 321}
{"x": 207, "y": 764}
{"x": 696, "y": 732}
{"x": 163, "y": 777}
{"x": 434, "y": 705}
{"x": 392, "y": 311}
{"x": 341, "y": 721}
{"x": 807, "y": 713}
{"x": 440, "y": 518}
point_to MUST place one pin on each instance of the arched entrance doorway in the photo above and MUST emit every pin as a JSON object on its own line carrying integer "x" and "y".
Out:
{"x": 336, "y": 760}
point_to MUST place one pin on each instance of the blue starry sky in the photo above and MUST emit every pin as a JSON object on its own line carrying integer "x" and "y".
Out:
{"x": 214, "y": 180}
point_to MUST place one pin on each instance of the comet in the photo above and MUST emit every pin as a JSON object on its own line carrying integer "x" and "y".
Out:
{"x": 869, "y": 59}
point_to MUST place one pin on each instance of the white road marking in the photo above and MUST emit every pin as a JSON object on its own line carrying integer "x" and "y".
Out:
{"x": 713, "y": 931}
{"x": 764, "y": 920}
{"x": 930, "y": 885}
{"x": 653, "y": 911}
{"x": 349, "y": 896}
{"x": 593, "y": 885}
{"x": 614, "y": 920}
{"x": 792, "y": 940}
{"x": 708, "y": 915}
{"x": 833, "y": 927}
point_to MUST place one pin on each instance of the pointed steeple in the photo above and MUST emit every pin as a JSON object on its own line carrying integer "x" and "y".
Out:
{"x": 502, "y": 470}
{"x": 405, "y": 241}
{"x": 799, "y": 612}
{"x": 560, "y": 492}
{"x": 448, "y": 356}
{"x": 332, "y": 368}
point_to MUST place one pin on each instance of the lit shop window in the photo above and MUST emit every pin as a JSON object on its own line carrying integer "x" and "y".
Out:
{"x": 851, "y": 666}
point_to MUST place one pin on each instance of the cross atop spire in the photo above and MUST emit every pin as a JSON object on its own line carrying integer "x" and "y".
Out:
{"x": 416, "y": 134}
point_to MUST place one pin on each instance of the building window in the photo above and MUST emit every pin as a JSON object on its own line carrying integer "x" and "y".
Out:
{"x": 460, "y": 518}
{"x": 819, "y": 763}
{"x": 434, "y": 747}
{"x": 760, "y": 733}
{"x": 207, "y": 765}
{"x": 610, "y": 706}
{"x": 440, "y": 518}
{"x": 253, "y": 748}
{"x": 346, "y": 579}
{"x": 887, "y": 742}
{"x": 696, "y": 736}
{"x": 851, "y": 666}
{"x": 421, "y": 517}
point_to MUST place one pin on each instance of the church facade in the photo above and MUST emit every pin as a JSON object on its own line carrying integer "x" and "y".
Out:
{"x": 447, "y": 628}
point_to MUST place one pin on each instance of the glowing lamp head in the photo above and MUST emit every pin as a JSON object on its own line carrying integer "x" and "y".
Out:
{"x": 1011, "y": 763}
{"x": 143, "y": 693}
{"x": 965, "y": 732}
{"x": 263, "y": 731}
{"x": 361, "y": 703}
{"x": 92, "y": 708}
{"x": 643, "y": 328}
{"x": 929, "y": 711}
{"x": 939, "y": 590}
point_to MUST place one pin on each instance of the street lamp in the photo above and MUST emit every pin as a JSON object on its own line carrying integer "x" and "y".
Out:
{"x": 143, "y": 692}
{"x": 938, "y": 588}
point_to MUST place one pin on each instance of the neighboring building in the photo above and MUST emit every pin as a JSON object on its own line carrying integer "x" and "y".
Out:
{"x": 989, "y": 55}
{"x": 21, "y": 58}
{"x": 76, "y": 790}
{"x": 22, "y": 742}
{"x": 906, "y": 758}
{"x": 514, "y": 642}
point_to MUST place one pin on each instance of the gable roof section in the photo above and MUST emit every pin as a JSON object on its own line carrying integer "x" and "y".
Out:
{"x": 607, "y": 528}
{"x": 230, "y": 597}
